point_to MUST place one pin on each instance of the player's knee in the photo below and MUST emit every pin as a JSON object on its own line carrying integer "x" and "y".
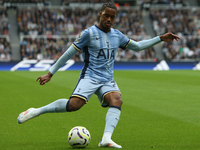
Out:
{"x": 75, "y": 104}
{"x": 114, "y": 99}
{"x": 117, "y": 101}
{"x": 73, "y": 107}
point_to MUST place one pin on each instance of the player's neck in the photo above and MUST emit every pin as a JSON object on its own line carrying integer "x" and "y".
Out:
{"x": 102, "y": 28}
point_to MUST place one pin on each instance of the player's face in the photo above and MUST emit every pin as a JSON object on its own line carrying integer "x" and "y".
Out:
{"x": 107, "y": 18}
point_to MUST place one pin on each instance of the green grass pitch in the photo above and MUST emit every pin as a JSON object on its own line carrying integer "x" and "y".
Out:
{"x": 161, "y": 110}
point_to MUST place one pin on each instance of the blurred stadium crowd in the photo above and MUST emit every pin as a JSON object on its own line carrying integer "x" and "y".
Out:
{"x": 183, "y": 22}
{"x": 45, "y": 33}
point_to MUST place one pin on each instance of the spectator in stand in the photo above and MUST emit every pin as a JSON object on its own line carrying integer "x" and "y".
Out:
{"x": 5, "y": 48}
{"x": 23, "y": 53}
{"x": 4, "y": 26}
{"x": 29, "y": 51}
{"x": 198, "y": 50}
{"x": 2, "y": 56}
{"x": 150, "y": 53}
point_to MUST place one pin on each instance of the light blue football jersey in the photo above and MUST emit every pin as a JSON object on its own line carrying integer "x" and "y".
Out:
{"x": 99, "y": 50}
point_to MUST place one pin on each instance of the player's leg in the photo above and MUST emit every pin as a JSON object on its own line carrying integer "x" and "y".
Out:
{"x": 79, "y": 97}
{"x": 60, "y": 105}
{"x": 114, "y": 101}
{"x": 109, "y": 95}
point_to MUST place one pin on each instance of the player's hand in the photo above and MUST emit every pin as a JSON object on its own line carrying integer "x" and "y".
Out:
{"x": 44, "y": 79}
{"x": 169, "y": 37}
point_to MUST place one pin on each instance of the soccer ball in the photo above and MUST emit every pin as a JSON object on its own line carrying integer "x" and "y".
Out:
{"x": 79, "y": 137}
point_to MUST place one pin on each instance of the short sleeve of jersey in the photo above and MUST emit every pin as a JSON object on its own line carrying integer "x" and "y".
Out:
{"x": 124, "y": 41}
{"x": 82, "y": 40}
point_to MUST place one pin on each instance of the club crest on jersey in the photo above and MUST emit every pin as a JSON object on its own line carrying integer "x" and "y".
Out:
{"x": 79, "y": 36}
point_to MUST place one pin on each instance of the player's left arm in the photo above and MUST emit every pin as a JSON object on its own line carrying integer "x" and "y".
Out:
{"x": 144, "y": 44}
{"x": 169, "y": 37}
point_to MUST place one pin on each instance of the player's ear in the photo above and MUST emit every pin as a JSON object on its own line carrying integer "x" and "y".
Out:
{"x": 100, "y": 13}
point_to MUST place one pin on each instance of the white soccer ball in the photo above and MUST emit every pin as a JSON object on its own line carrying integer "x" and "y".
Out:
{"x": 79, "y": 137}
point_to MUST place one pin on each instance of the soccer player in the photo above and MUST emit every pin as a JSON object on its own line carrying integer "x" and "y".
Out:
{"x": 99, "y": 45}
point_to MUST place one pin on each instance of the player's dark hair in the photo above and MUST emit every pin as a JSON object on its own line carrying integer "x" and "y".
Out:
{"x": 110, "y": 5}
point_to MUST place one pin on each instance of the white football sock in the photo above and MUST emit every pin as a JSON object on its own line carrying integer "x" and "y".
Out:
{"x": 106, "y": 136}
{"x": 56, "y": 106}
{"x": 112, "y": 118}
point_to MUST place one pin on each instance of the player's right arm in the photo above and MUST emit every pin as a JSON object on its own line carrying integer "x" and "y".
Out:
{"x": 78, "y": 44}
{"x": 45, "y": 78}
{"x": 81, "y": 41}
{"x": 69, "y": 53}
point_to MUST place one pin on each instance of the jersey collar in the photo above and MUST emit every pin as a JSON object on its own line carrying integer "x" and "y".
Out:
{"x": 102, "y": 30}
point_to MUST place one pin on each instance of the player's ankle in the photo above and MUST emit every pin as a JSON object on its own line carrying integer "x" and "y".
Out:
{"x": 107, "y": 140}
{"x": 107, "y": 136}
